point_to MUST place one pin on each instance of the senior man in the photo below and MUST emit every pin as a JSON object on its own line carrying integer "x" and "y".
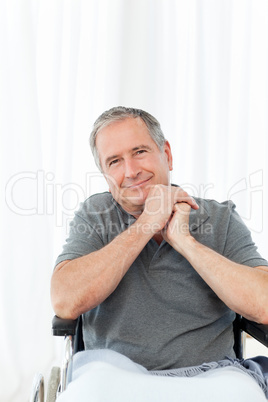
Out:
{"x": 157, "y": 275}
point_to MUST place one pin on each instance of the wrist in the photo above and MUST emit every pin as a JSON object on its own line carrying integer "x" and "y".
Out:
{"x": 146, "y": 227}
{"x": 185, "y": 245}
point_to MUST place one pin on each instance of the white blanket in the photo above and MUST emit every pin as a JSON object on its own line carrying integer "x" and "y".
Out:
{"x": 106, "y": 376}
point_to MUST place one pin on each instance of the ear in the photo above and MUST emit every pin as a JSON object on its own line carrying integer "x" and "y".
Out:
{"x": 167, "y": 150}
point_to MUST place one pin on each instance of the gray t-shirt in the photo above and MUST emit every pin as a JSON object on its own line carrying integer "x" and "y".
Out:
{"x": 162, "y": 314}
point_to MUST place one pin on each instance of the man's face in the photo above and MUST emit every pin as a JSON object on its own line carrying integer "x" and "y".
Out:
{"x": 132, "y": 162}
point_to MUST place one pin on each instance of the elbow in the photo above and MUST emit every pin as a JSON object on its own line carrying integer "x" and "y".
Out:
{"x": 64, "y": 312}
{"x": 62, "y": 307}
{"x": 265, "y": 322}
{"x": 262, "y": 317}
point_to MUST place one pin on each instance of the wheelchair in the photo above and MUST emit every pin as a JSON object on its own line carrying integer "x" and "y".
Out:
{"x": 71, "y": 330}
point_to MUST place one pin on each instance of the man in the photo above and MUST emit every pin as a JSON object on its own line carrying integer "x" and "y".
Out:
{"x": 157, "y": 275}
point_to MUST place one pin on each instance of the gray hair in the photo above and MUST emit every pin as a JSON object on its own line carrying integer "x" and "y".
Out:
{"x": 121, "y": 113}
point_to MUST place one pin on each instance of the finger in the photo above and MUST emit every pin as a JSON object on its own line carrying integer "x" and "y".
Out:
{"x": 182, "y": 207}
{"x": 183, "y": 196}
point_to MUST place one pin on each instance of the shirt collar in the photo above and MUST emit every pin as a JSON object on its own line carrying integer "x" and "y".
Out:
{"x": 128, "y": 219}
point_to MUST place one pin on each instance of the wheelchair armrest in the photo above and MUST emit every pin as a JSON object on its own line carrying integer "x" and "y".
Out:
{"x": 63, "y": 327}
{"x": 257, "y": 331}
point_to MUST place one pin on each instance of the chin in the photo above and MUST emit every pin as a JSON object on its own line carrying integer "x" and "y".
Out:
{"x": 135, "y": 195}
{"x": 133, "y": 204}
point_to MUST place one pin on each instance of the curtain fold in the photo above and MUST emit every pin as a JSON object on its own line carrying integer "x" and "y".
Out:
{"x": 199, "y": 66}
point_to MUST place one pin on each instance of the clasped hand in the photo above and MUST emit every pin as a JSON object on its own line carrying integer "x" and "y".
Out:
{"x": 167, "y": 210}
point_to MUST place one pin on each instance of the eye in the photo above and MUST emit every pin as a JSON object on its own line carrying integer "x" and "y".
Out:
{"x": 140, "y": 151}
{"x": 113, "y": 162}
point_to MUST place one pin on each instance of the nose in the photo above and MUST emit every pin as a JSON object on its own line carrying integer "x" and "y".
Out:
{"x": 132, "y": 169}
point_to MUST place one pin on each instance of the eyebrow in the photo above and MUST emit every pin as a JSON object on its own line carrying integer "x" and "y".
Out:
{"x": 141, "y": 146}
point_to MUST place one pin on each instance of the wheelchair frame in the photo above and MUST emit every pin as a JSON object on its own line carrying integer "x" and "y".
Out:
{"x": 71, "y": 330}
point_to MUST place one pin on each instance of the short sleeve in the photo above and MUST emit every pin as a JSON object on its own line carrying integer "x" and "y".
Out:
{"x": 239, "y": 246}
{"x": 83, "y": 239}
{"x": 91, "y": 228}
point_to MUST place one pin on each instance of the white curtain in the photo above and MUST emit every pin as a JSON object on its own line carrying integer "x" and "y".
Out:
{"x": 199, "y": 66}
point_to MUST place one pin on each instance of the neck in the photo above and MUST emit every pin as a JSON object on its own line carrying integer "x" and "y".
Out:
{"x": 158, "y": 238}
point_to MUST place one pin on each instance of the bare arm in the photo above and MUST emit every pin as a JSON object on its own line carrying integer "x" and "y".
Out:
{"x": 242, "y": 288}
{"x": 81, "y": 284}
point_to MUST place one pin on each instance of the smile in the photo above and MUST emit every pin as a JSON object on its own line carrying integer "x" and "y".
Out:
{"x": 139, "y": 184}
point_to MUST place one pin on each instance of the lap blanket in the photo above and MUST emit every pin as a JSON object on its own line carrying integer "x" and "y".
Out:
{"x": 107, "y": 376}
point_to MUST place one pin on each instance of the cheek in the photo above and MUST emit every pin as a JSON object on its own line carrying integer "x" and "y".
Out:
{"x": 149, "y": 164}
{"x": 114, "y": 180}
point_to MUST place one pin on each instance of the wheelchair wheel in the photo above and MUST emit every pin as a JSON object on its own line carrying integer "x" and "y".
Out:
{"x": 53, "y": 384}
{"x": 37, "y": 393}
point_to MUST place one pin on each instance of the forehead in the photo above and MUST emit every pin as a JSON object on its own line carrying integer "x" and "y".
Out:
{"x": 122, "y": 135}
